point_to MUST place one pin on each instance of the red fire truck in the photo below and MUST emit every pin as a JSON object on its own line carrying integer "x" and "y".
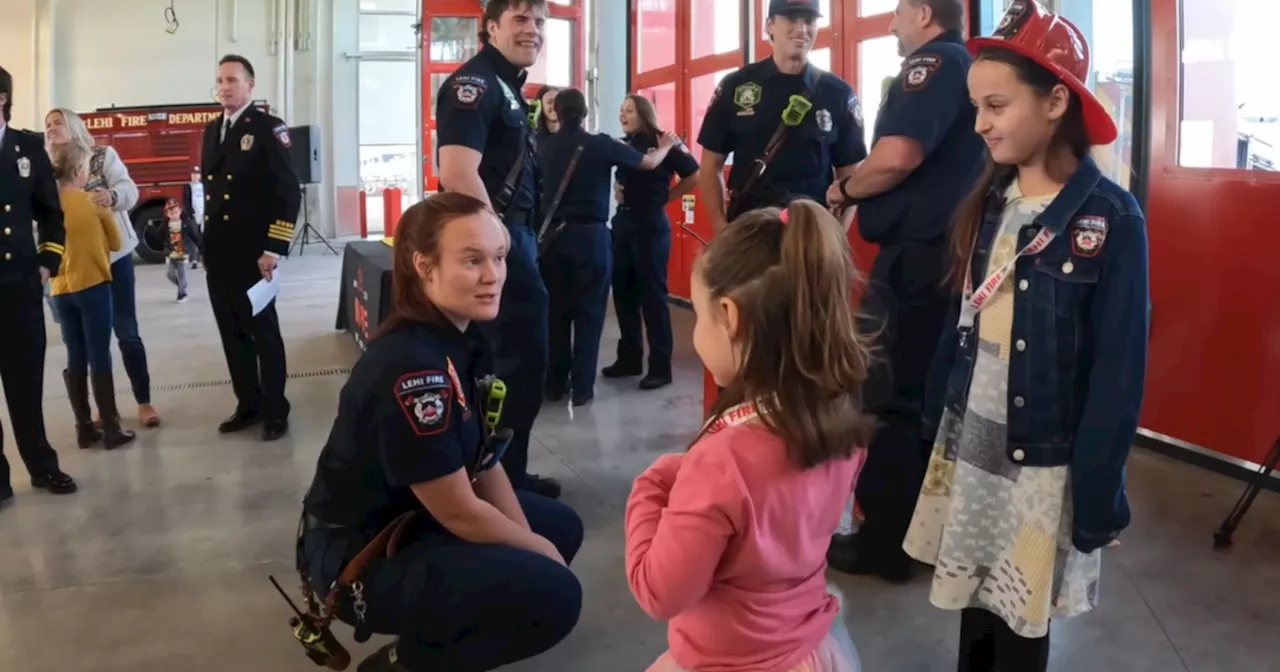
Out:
{"x": 160, "y": 144}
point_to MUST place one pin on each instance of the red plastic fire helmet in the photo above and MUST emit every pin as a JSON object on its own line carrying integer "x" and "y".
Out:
{"x": 1058, "y": 45}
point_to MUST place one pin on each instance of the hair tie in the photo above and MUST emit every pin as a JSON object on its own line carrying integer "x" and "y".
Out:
{"x": 785, "y": 216}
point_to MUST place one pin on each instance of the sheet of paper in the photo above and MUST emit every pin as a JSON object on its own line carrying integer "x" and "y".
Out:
{"x": 264, "y": 292}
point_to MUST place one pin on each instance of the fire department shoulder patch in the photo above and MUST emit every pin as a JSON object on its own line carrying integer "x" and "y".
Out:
{"x": 281, "y": 132}
{"x": 424, "y": 399}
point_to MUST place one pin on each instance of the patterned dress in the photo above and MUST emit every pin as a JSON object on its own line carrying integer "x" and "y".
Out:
{"x": 999, "y": 534}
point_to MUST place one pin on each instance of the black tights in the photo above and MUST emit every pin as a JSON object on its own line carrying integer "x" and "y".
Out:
{"x": 987, "y": 644}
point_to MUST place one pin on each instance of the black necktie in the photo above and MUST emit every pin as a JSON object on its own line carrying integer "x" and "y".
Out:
{"x": 226, "y": 128}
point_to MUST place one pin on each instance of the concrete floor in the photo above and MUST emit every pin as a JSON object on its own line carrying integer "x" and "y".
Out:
{"x": 160, "y": 562}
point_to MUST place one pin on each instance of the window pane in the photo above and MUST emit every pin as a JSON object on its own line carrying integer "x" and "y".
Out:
{"x": 1230, "y": 101}
{"x": 437, "y": 78}
{"x": 663, "y": 98}
{"x": 878, "y": 64}
{"x": 823, "y": 21}
{"x": 700, "y": 91}
{"x": 406, "y": 6}
{"x": 454, "y": 39}
{"x": 555, "y": 63}
{"x": 1108, "y": 26}
{"x": 821, "y": 58}
{"x": 655, "y": 34}
{"x": 383, "y": 166}
{"x": 716, "y": 27}
{"x": 387, "y": 32}
{"x": 387, "y": 105}
{"x": 873, "y": 7}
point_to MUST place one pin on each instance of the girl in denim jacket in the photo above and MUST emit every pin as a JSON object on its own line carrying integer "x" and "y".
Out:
{"x": 1033, "y": 398}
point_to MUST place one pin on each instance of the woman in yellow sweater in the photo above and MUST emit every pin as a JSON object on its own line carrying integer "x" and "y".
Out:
{"x": 82, "y": 293}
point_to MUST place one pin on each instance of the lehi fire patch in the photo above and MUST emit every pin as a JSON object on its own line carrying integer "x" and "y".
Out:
{"x": 424, "y": 398}
{"x": 1088, "y": 234}
{"x": 468, "y": 90}
{"x": 917, "y": 71}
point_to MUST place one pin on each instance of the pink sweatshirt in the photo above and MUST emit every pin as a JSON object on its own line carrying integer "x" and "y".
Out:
{"x": 729, "y": 543}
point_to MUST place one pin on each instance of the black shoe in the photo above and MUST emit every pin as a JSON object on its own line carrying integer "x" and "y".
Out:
{"x": 583, "y": 400}
{"x": 622, "y": 369}
{"x": 55, "y": 482}
{"x": 541, "y": 485}
{"x": 654, "y": 381}
{"x": 240, "y": 420}
{"x": 273, "y": 430}
{"x": 382, "y": 660}
{"x": 5, "y": 495}
{"x": 845, "y": 556}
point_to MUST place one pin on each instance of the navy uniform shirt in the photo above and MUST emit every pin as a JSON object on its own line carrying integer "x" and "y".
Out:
{"x": 480, "y": 106}
{"x": 408, "y": 414}
{"x": 252, "y": 195}
{"x": 928, "y": 102}
{"x": 586, "y": 199}
{"x": 747, "y": 109}
{"x": 28, "y": 192}
{"x": 651, "y": 189}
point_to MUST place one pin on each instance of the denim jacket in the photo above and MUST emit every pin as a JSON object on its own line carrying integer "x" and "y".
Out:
{"x": 1078, "y": 365}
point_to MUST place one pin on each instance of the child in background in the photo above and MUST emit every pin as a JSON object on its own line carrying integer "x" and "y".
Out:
{"x": 728, "y": 541}
{"x": 82, "y": 295}
{"x": 181, "y": 239}
{"x": 1034, "y": 394}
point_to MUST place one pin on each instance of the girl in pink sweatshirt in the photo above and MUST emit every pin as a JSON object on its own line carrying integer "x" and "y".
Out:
{"x": 728, "y": 541}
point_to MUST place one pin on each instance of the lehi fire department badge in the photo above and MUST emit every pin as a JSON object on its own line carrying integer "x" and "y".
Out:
{"x": 1088, "y": 234}
{"x": 424, "y": 398}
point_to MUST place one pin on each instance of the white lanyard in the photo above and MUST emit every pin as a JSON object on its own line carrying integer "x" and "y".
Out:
{"x": 974, "y": 301}
{"x": 731, "y": 417}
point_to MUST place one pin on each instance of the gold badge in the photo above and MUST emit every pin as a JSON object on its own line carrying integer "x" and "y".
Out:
{"x": 246, "y": 143}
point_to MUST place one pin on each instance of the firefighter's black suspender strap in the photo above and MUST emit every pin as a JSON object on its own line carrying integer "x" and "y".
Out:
{"x": 761, "y": 164}
{"x": 545, "y": 234}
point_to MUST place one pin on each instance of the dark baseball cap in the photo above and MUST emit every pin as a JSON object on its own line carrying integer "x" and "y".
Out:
{"x": 777, "y": 7}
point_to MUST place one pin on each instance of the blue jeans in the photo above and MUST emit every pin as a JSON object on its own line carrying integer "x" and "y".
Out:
{"x": 132, "y": 352}
{"x": 85, "y": 318}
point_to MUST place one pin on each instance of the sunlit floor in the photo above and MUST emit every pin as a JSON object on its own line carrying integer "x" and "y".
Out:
{"x": 160, "y": 562}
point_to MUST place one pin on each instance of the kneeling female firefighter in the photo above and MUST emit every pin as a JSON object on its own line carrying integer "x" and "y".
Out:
{"x": 411, "y": 527}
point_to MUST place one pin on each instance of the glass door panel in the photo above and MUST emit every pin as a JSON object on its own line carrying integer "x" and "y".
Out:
{"x": 700, "y": 91}
{"x": 715, "y": 27}
{"x": 655, "y": 38}
{"x": 878, "y": 64}
{"x": 453, "y": 39}
{"x": 1108, "y": 27}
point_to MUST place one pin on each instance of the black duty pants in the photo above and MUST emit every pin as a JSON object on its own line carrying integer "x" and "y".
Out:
{"x": 519, "y": 338}
{"x": 641, "y": 251}
{"x": 907, "y": 303}
{"x": 987, "y": 644}
{"x": 252, "y": 343}
{"x": 22, "y": 345}
{"x": 576, "y": 268}
{"x": 460, "y": 606}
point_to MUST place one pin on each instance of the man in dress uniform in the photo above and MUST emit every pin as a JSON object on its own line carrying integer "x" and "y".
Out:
{"x": 252, "y": 197}
{"x": 28, "y": 192}
{"x": 924, "y": 159}
{"x": 787, "y": 123}
{"x": 486, "y": 151}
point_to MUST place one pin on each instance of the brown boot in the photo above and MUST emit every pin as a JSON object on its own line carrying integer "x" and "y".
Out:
{"x": 148, "y": 416}
{"x": 78, "y": 394}
{"x": 104, "y": 392}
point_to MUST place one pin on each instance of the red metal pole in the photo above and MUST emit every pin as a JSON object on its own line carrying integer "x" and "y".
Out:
{"x": 363, "y": 200}
{"x": 391, "y": 210}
